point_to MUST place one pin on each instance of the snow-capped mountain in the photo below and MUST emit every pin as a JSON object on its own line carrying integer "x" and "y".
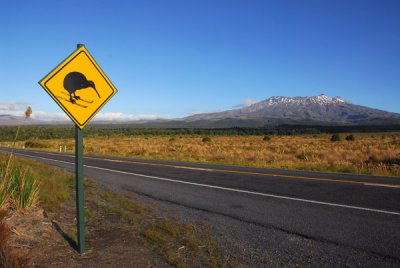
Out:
{"x": 321, "y": 100}
{"x": 318, "y": 108}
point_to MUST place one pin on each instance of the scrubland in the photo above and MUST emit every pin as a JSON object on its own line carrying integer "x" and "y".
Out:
{"x": 376, "y": 154}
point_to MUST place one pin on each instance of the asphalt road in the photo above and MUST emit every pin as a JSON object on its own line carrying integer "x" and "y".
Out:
{"x": 353, "y": 212}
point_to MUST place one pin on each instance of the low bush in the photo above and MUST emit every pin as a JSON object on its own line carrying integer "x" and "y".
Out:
{"x": 267, "y": 138}
{"x": 336, "y": 137}
{"x": 35, "y": 143}
{"x": 350, "y": 137}
{"x": 206, "y": 139}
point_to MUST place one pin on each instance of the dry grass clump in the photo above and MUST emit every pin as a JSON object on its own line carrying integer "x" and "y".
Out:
{"x": 9, "y": 258}
{"x": 377, "y": 154}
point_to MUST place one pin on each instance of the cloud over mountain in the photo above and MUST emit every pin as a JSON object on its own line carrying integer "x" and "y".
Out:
{"x": 246, "y": 102}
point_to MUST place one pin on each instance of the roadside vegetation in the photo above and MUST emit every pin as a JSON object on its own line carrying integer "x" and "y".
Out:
{"x": 361, "y": 153}
{"x": 172, "y": 240}
{"x": 19, "y": 192}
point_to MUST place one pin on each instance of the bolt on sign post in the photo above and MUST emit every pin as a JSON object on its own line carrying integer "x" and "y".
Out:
{"x": 81, "y": 89}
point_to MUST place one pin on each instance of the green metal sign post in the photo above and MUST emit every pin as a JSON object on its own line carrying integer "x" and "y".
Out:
{"x": 80, "y": 199}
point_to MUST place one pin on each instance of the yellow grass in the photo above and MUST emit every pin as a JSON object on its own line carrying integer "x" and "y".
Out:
{"x": 377, "y": 154}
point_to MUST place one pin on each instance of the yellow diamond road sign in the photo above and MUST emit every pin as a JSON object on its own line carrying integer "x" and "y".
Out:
{"x": 79, "y": 86}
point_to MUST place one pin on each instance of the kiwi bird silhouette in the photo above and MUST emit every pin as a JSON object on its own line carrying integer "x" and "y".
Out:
{"x": 77, "y": 81}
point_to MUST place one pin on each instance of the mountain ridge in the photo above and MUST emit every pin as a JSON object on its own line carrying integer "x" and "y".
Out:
{"x": 316, "y": 108}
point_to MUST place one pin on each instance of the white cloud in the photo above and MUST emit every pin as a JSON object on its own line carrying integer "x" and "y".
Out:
{"x": 108, "y": 116}
{"x": 38, "y": 115}
{"x": 46, "y": 116}
{"x": 193, "y": 112}
{"x": 13, "y": 106}
{"x": 246, "y": 102}
{"x": 18, "y": 109}
{"x": 116, "y": 116}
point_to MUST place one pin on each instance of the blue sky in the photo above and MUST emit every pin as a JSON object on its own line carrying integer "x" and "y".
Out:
{"x": 172, "y": 58}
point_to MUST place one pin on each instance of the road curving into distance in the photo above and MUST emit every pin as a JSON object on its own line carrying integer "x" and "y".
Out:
{"x": 360, "y": 213}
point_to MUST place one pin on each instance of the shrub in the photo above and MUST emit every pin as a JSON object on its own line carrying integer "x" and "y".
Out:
{"x": 350, "y": 137}
{"x": 391, "y": 161}
{"x": 267, "y": 138}
{"x": 206, "y": 139}
{"x": 336, "y": 137}
{"x": 306, "y": 156}
{"x": 35, "y": 143}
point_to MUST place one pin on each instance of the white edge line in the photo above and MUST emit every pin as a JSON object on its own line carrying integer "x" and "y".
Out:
{"x": 381, "y": 185}
{"x": 231, "y": 189}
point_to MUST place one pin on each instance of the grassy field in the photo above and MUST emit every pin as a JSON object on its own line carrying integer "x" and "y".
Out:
{"x": 377, "y": 153}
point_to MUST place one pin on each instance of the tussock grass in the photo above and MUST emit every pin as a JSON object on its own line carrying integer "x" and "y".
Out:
{"x": 5, "y": 192}
{"x": 25, "y": 183}
{"x": 19, "y": 190}
{"x": 377, "y": 154}
{"x": 51, "y": 186}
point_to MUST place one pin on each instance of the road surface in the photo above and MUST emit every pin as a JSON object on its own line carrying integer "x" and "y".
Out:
{"x": 351, "y": 213}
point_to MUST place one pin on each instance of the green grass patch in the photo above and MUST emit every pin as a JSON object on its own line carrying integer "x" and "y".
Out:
{"x": 55, "y": 184}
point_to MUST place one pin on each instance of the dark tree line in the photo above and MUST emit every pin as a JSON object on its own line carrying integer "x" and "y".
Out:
{"x": 7, "y": 133}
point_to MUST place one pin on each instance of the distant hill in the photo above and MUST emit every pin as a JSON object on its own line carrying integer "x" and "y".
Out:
{"x": 7, "y": 120}
{"x": 12, "y": 120}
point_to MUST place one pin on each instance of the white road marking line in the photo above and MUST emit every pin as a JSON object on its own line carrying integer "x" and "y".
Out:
{"x": 193, "y": 168}
{"x": 232, "y": 189}
{"x": 381, "y": 185}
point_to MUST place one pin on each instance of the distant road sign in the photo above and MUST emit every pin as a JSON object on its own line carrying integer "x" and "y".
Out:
{"x": 79, "y": 86}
